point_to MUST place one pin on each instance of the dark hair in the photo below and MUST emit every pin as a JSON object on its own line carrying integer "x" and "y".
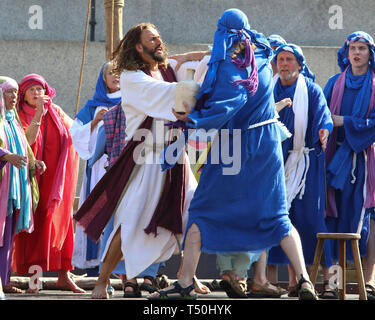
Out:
{"x": 125, "y": 56}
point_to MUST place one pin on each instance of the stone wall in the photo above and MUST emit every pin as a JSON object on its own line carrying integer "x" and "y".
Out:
{"x": 305, "y": 22}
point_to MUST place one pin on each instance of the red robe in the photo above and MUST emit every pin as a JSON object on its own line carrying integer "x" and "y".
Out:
{"x": 50, "y": 245}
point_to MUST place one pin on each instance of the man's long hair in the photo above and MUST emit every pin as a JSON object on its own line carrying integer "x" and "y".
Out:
{"x": 126, "y": 57}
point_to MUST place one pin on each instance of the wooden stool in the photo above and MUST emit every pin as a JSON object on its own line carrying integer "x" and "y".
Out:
{"x": 342, "y": 237}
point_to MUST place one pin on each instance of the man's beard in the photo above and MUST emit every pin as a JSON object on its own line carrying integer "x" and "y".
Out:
{"x": 158, "y": 57}
{"x": 289, "y": 76}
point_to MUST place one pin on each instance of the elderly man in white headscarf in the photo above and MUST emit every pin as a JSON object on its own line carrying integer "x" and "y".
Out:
{"x": 309, "y": 119}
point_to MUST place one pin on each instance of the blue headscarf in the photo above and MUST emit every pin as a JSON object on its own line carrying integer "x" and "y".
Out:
{"x": 297, "y": 51}
{"x": 275, "y": 40}
{"x": 342, "y": 54}
{"x": 232, "y": 27}
{"x": 100, "y": 98}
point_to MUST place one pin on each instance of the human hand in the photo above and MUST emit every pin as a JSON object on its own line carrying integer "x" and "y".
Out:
{"x": 283, "y": 103}
{"x": 15, "y": 160}
{"x": 323, "y": 137}
{"x": 41, "y": 166}
{"x": 338, "y": 121}
{"x": 98, "y": 117}
{"x": 180, "y": 58}
{"x": 188, "y": 56}
{"x": 182, "y": 116}
{"x": 40, "y": 102}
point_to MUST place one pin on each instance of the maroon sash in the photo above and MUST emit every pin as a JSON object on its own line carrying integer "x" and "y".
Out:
{"x": 99, "y": 207}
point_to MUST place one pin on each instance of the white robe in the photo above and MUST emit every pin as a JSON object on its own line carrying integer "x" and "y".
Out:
{"x": 84, "y": 142}
{"x": 146, "y": 96}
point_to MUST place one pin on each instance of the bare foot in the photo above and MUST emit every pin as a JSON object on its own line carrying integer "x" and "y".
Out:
{"x": 100, "y": 291}
{"x": 65, "y": 282}
{"x": 32, "y": 291}
{"x": 200, "y": 287}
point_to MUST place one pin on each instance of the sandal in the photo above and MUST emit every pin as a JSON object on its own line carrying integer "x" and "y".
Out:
{"x": 213, "y": 285}
{"x": 281, "y": 289}
{"x": 184, "y": 293}
{"x": 306, "y": 293}
{"x": 11, "y": 289}
{"x": 150, "y": 287}
{"x": 265, "y": 291}
{"x": 136, "y": 293}
{"x": 328, "y": 294}
{"x": 233, "y": 288}
{"x": 370, "y": 290}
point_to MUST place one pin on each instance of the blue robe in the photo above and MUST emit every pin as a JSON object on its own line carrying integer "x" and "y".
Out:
{"x": 306, "y": 214}
{"x": 246, "y": 211}
{"x": 360, "y": 134}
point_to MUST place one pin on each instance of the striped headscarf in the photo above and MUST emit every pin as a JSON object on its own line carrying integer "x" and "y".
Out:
{"x": 342, "y": 54}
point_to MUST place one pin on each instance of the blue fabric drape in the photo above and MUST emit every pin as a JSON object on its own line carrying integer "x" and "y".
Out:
{"x": 18, "y": 196}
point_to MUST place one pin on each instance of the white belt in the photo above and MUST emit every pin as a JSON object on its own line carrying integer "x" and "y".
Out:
{"x": 259, "y": 124}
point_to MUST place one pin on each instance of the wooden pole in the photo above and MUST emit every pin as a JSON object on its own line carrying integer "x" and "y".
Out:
{"x": 83, "y": 55}
{"x": 113, "y": 25}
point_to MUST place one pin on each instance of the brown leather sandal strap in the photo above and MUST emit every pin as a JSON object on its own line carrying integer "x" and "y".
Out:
{"x": 150, "y": 278}
{"x": 132, "y": 285}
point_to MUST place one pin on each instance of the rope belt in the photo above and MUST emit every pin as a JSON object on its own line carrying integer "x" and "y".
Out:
{"x": 259, "y": 124}
{"x": 305, "y": 153}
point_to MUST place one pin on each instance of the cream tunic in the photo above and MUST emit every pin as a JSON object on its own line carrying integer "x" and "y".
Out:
{"x": 146, "y": 96}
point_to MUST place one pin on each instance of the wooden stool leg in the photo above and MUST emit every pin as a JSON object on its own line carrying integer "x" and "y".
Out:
{"x": 358, "y": 269}
{"x": 342, "y": 263}
{"x": 317, "y": 257}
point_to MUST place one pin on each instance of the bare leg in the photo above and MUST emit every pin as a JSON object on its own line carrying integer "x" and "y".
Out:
{"x": 325, "y": 272}
{"x": 260, "y": 280}
{"x": 292, "y": 276}
{"x": 110, "y": 262}
{"x": 369, "y": 261}
{"x": 292, "y": 247}
{"x": 260, "y": 269}
{"x": 328, "y": 291}
{"x": 272, "y": 273}
{"x": 192, "y": 253}
{"x": 2, "y": 296}
{"x": 199, "y": 286}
